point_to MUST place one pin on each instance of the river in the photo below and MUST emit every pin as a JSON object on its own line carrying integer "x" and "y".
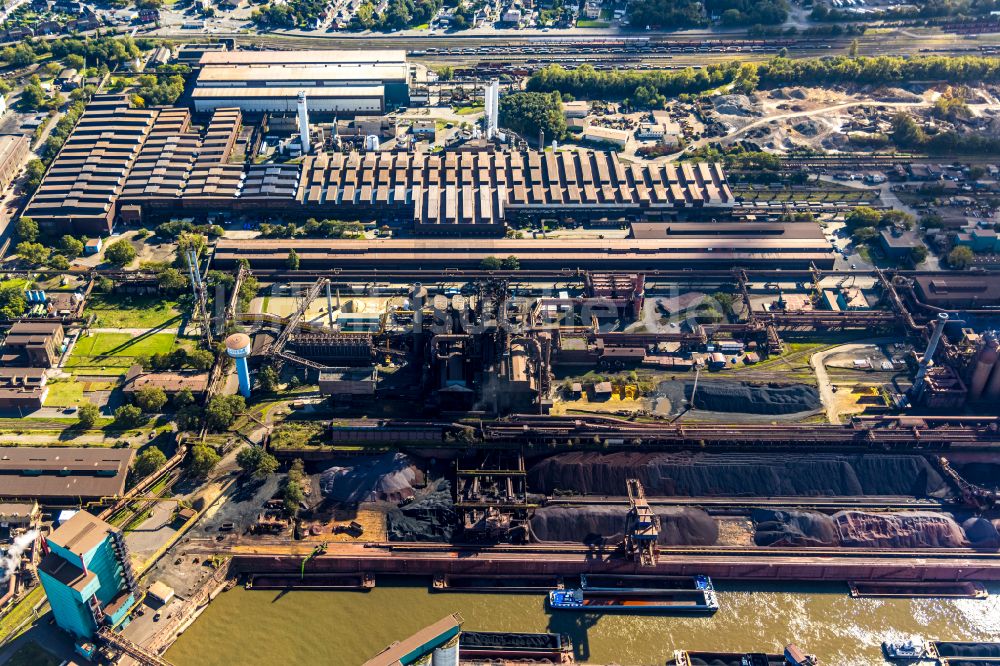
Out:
{"x": 266, "y": 627}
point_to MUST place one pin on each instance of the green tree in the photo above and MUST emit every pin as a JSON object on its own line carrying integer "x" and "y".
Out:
{"x": 33, "y": 253}
{"x": 183, "y": 398}
{"x": 151, "y": 399}
{"x": 149, "y": 461}
{"x": 864, "y": 234}
{"x": 120, "y": 253}
{"x": 528, "y": 112}
{"x": 960, "y": 257}
{"x": 852, "y": 52}
{"x": 128, "y": 416}
{"x": 491, "y": 263}
{"x": 87, "y": 413}
{"x": 293, "y": 260}
{"x": 223, "y": 409}
{"x": 255, "y": 460}
{"x": 292, "y": 489}
{"x": 918, "y": 254}
{"x": 863, "y": 216}
{"x": 188, "y": 418}
{"x": 200, "y": 359}
{"x": 27, "y": 229}
{"x": 203, "y": 460}
{"x": 71, "y": 247}
{"x": 267, "y": 379}
{"x": 58, "y": 262}
{"x": 510, "y": 263}
{"x": 172, "y": 280}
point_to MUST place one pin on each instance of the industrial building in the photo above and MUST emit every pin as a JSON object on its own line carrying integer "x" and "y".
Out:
{"x": 172, "y": 383}
{"x": 80, "y": 189}
{"x": 14, "y": 150}
{"x": 62, "y": 476}
{"x": 33, "y": 344}
{"x": 22, "y": 389}
{"x": 87, "y": 576}
{"x": 595, "y": 254}
{"x": 335, "y": 81}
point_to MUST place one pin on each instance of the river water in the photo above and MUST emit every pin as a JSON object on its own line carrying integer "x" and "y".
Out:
{"x": 265, "y": 627}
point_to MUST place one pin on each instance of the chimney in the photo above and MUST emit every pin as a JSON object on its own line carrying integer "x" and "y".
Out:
{"x": 304, "y": 123}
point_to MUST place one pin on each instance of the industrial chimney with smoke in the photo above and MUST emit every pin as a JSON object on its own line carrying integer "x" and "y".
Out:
{"x": 304, "y": 123}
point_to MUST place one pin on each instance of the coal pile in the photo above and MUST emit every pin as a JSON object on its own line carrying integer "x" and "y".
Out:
{"x": 387, "y": 477}
{"x": 430, "y": 517}
{"x": 794, "y": 528}
{"x": 979, "y": 650}
{"x": 858, "y": 529}
{"x": 723, "y": 396}
{"x": 679, "y": 526}
{"x": 914, "y": 529}
{"x": 982, "y": 533}
{"x": 697, "y": 474}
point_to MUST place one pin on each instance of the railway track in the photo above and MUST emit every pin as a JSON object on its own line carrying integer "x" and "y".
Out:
{"x": 830, "y": 504}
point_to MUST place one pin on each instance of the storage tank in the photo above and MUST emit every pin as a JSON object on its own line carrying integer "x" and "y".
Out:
{"x": 989, "y": 351}
{"x": 993, "y": 386}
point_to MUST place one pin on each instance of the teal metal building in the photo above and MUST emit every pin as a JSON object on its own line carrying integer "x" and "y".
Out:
{"x": 87, "y": 576}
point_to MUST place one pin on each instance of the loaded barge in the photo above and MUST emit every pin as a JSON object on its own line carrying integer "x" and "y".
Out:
{"x": 503, "y": 647}
{"x": 631, "y": 583}
{"x": 504, "y": 584}
{"x": 792, "y": 656}
{"x": 943, "y": 653}
{"x": 919, "y": 589}
{"x": 634, "y": 601}
{"x": 310, "y": 581}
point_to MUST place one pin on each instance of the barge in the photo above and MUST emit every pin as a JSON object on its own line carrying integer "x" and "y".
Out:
{"x": 919, "y": 589}
{"x": 634, "y": 601}
{"x": 943, "y": 653}
{"x": 505, "y": 584}
{"x": 629, "y": 583}
{"x": 497, "y": 646}
{"x": 310, "y": 581}
{"x": 792, "y": 656}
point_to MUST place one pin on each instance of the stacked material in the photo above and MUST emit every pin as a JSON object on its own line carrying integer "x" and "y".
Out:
{"x": 387, "y": 477}
{"x": 723, "y": 396}
{"x": 696, "y": 474}
{"x": 858, "y": 529}
{"x": 430, "y": 517}
{"x": 679, "y": 526}
{"x": 982, "y": 532}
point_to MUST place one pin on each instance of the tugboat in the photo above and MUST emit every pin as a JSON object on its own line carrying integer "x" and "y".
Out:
{"x": 909, "y": 650}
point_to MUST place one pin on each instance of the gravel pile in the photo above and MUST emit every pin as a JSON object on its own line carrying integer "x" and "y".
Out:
{"x": 793, "y": 528}
{"x": 679, "y": 526}
{"x": 697, "y": 474}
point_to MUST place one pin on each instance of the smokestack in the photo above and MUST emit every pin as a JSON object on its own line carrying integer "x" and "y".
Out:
{"x": 925, "y": 362}
{"x": 492, "y": 108}
{"x": 304, "y": 123}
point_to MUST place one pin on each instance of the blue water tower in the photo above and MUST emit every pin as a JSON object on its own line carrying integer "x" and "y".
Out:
{"x": 238, "y": 346}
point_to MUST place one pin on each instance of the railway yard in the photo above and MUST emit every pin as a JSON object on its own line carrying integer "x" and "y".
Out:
{"x": 729, "y": 324}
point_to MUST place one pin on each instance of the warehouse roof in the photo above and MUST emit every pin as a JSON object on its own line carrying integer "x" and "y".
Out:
{"x": 978, "y": 290}
{"x": 366, "y": 72}
{"x": 317, "y": 56}
{"x": 63, "y": 472}
{"x": 313, "y": 92}
{"x": 709, "y": 230}
{"x": 80, "y": 533}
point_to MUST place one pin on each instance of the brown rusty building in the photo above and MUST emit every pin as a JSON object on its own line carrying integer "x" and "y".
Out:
{"x": 14, "y": 150}
{"x": 33, "y": 344}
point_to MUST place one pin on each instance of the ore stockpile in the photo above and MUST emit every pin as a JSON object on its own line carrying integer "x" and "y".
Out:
{"x": 698, "y": 474}
{"x": 712, "y": 475}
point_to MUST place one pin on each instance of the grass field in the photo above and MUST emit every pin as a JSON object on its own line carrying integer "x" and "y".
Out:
{"x": 133, "y": 312}
{"x": 64, "y": 394}
{"x": 113, "y": 353}
{"x": 16, "y": 616}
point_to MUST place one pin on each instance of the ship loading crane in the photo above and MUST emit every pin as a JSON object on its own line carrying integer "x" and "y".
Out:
{"x": 642, "y": 526}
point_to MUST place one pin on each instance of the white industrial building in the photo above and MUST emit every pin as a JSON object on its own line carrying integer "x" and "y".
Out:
{"x": 342, "y": 82}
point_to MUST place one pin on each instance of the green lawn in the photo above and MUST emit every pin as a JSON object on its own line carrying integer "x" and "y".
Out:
{"x": 65, "y": 394}
{"x": 469, "y": 110}
{"x": 590, "y": 23}
{"x": 133, "y": 311}
{"x": 113, "y": 353}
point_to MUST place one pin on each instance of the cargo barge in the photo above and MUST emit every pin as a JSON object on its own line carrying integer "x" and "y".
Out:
{"x": 629, "y": 583}
{"x": 634, "y": 601}
{"x": 943, "y": 653}
{"x": 792, "y": 656}
{"x": 511, "y": 647}
{"x": 310, "y": 581}
{"x": 918, "y": 589}
{"x": 504, "y": 584}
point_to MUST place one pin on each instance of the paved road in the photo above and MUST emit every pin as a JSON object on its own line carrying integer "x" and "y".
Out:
{"x": 818, "y": 363}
